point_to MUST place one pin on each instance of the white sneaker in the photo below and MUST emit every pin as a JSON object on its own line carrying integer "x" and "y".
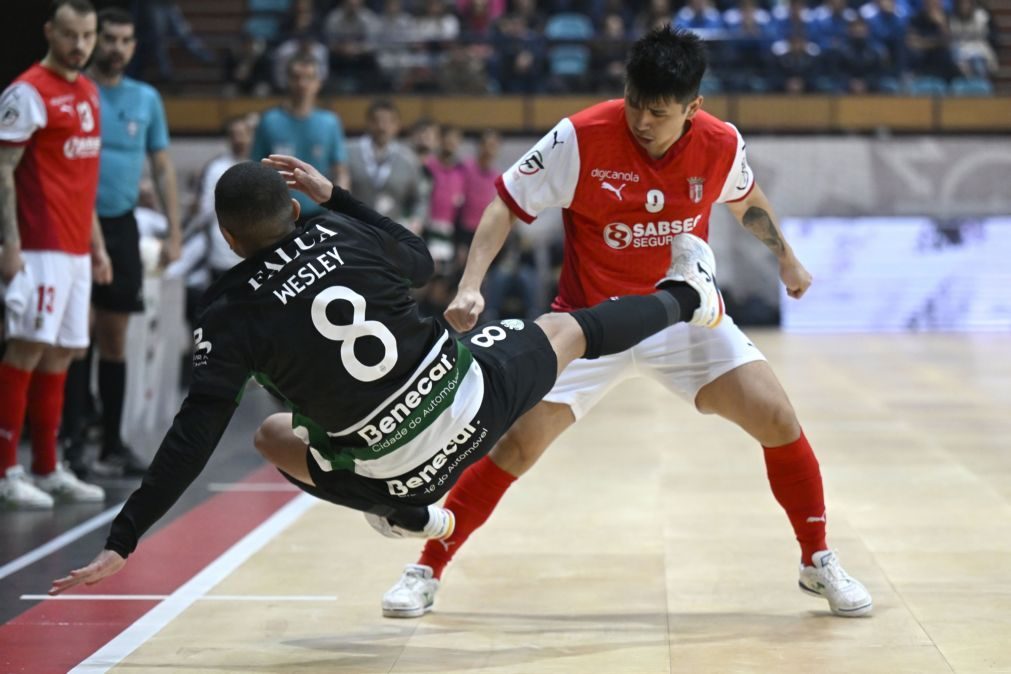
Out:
{"x": 441, "y": 523}
{"x": 65, "y": 487}
{"x": 846, "y": 596}
{"x": 413, "y": 595}
{"x": 18, "y": 493}
{"x": 692, "y": 261}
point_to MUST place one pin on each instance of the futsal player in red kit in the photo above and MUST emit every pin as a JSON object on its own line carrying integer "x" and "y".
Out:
{"x": 630, "y": 175}
{"x": 50, "y": 140}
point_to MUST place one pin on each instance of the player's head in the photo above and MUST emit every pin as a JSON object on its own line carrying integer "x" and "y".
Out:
{"x": 662, "y": 79}
{"x": 116, "y": 41}
{"x": 239, "y": 131}
{"x": 70, "y": 32}
{"x": 304, "y": 80}
{"x": 383, "y": 121}
{"x": 254, "y": 207}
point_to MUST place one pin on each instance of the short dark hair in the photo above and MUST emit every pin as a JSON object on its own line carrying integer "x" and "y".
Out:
{"x": 382, "y": 104}
{"x": 253, "y": 203}
{"x": 666, "y": 63}
{"x": 117, "y": 16}
{"x": 302, "y": 59}
{"x": 79, "y": 6}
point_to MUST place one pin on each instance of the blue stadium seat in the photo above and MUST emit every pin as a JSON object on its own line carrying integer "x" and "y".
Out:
{"x": 569, "y": 27}
{"x": 926, "y": 86}
{"x": 971, "y": 86}
{"x": 569, "y": 60}
{"x": 264, "y": 20}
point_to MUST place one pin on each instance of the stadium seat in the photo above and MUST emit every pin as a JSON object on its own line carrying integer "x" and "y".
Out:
{"x": 569, "y": 27}
{"x": 711, "y": 85}
{"x": 926, "y": 86}
{"x": 264, "y": 18}
{"x": 971, "y": 86}
{"x": 569, "y": 60}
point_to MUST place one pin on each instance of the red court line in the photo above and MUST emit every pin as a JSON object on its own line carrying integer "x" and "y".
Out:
{"x": 54, "y": 636}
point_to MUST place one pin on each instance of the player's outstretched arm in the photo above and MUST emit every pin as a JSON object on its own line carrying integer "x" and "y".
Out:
{"x": 103, "y": 566}
{"x": 410, "y": 253}
{"x": 756, "y": 214}
{"x": 492, "y": 232}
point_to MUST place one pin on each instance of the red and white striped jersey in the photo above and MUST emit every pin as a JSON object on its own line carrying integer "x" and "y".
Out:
{"x": 622, "y": 208}
{"x": 57, "y": 179}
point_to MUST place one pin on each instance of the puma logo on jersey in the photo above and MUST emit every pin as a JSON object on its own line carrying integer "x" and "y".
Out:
{"x": 611, "y": 188}
{"x": 555, "y": 141}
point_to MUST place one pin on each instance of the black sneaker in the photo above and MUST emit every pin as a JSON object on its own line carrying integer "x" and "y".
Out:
{"x": 120, "y": 462}
{"x": 73, "y": 457}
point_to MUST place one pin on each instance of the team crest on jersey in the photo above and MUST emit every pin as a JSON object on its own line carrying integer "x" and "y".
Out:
{"x": 86, "y": 117}
{"x": 532, "y": 163}
{"x": 695, "y": 189}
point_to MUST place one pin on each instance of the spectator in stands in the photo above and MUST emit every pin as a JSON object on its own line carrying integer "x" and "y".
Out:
{"x": 478, "y": 16}
{"x": 701, "y": 17}
{"x": 798, "y": 63}
{"x": 304, "y": 46}
{"x": 750, "y": 32}
{"x": 385, "y": 174}
{"x": 437, "y": 23}
{"x": 479, "y": 174}
{"x": 398, "y": 54}
{"x": 610, "y": 50}
{"x": 830, "y": 24}
{"x": 297, "y": 127}
{"x": 929, "y": 42}
{"x": 158, "y": 21}
{"x": 447, "y": 174}
{"x": 860, "y": 61}
{"x": 424, "y": 138}
{"x": 658, "y": 11}
{"x": 463, "y": 71}
{"x": 519, "y": 49}
{"x": 247, "y": 68}
{"x": 970, "y": 40}
{"x": 887, "y": 22}
{"x": 791, "y": 20}
{"x": 351, "y": 32}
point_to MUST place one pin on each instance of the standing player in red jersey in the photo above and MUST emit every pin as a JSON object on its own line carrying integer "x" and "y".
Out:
{"x": 49, "y": 147}
{"x": 630, "y": 175}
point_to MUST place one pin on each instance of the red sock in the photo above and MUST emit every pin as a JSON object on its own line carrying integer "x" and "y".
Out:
{"x": 13, "y": 400}
{"x": 45, "y": 406}
{"x": 472, "y": 499}
{"x": 796, "y": 484}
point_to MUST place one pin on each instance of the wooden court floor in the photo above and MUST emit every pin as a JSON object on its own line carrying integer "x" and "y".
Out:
{"x": 647, "y": 541}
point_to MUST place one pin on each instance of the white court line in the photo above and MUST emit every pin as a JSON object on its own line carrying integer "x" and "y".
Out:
{"x": 160, "y": 597}
{"x": 110, "y": 655}
{"x": 63, "y": 539}
{"x": 252, "y": 486}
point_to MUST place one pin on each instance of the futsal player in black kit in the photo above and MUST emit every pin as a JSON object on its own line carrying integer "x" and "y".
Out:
{"x": 387, "y": 409}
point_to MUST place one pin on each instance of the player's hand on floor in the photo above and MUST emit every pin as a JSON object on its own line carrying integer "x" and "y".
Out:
{"x": 795, "y": 277}
{"x": 463, "y": 311}
{"x": 103, "y": 566}
{"x": 301, "y": 176}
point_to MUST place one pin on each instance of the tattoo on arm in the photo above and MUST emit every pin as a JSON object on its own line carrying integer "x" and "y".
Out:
{"x": 9, "y": 158}
{"x": 758, "y": 221}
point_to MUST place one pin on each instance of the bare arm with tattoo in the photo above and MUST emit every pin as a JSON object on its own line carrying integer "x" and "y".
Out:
{"x": 757, "y": 216}
{"x": 10, "y": 258}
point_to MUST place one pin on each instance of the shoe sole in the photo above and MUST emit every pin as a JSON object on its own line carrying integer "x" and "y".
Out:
{"x": 856, "y": 612}
{"x": 406, "y": 613}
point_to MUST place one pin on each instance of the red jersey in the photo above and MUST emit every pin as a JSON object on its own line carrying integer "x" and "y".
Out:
{"x": 622, "y": 208}
{"x": 57, "y": 179}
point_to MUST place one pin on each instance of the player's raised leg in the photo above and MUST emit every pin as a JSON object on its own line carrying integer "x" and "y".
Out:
{"x": 688, "y": 292}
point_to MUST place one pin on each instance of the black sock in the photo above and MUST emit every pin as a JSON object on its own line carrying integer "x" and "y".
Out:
{"x": 619, "y": 324}
{"x": 75, "y": 400}
{"x": 112, "y": 390}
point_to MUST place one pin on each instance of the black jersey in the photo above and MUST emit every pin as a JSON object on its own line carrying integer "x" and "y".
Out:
{"x": 323, "y": 319}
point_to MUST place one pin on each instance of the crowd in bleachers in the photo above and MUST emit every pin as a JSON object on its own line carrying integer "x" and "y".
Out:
{"x": 566, "y": 46}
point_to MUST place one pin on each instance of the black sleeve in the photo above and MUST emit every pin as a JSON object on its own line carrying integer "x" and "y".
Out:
{"x": 184, "y": 452}
{"x": 409, "y": 253}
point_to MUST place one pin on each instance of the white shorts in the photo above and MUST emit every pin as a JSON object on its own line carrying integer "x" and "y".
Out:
{"x": 683, "y": 358}
{"x": 48, "y": 300}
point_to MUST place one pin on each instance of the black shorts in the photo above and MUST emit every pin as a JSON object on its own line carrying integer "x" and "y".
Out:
{"x": 519, "y": 368}
{"x": 126, "y": 292}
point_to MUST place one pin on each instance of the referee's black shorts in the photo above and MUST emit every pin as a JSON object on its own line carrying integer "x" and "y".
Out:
{"x": 126, "y": 292}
